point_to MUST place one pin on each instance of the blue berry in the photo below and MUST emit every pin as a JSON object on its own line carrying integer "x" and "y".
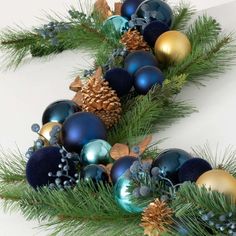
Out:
{"x": 35, "y": 128}
{"x": 144, "y": 191}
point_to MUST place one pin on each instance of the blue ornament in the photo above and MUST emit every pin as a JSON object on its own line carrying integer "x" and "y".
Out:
{"x": 81, "y": 128}
{"x": 60, "y": 110}
{"x": 119, "y": 80}
{"x": 129, "y": 7}
{"x": 138, "y": 59}
{"x": 152, "y": 10}
{"x": 192, "y": 169}
{"x": 124, "y": 198}
{"x": 43, "y": 165}
{"x": 119, "y": 23}
{"x": 169, "y": 162}
{"x": 153, "y": 31}
{"x": 96, "y": 152}
{"x": 120, "y": 166}
{"x": 146, "y": 78}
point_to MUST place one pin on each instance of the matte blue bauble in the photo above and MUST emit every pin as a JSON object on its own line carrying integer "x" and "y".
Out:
{"x": 155, "y": 10}
{"x": 81, "y": 128}
{"x": 124, "y": 198}
{"x": 96, "y": 152}
{"x": 129, "y": 7}
{"x": 59, "y": 111}
{"x": 153, "y": 31}
{"x": 137, "y": 60}
{"x": 94, "y": 173}
{"x": 120, "y": 166}
{"x": 146, "y": 77}
{"x": 120, "y": 24}
{"x": 41, "y": 163}
{"x": 192, "y": 169}
{"x": 169, "y": 162}
{"x": 120, "y": 80}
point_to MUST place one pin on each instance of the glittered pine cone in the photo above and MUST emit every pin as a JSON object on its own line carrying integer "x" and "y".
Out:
{"x": 133, "y": 41}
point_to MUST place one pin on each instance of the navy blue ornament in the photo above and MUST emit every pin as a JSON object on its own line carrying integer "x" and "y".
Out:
{"x": 60, "y": 110}
{"x": 169, "y": 162}
{"x": 155, "y": 10}
{"x": 146, "y": 78}
{"x": 94, "y": 173}
{"x": 192, "y": 169}
{"x": 119, "y": 80}
{"x": 129, "y": 7}
{"x": 120, "y": 166}
{"x": 137, "y": 60}
{"x": 153, "y": 31}
{"x": 46, "y": 161}
{"x": 81, "y": 128}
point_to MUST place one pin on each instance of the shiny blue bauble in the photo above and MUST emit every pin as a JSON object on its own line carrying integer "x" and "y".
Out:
{"x": 169, "y": 162}
{"x": 192, "y": 169}
{"x": 138, "y": 59}
{"x": 94, "y": 173}
{"x": 96, "y": 152}
{"x": 120, "y": 166}
{"x": 124, "y": 198}
{"x": 81, "y": 128}
{"x": 60, "y": 110}
{"x": 41, "y": 163}
{"x": 146, "y": 77}
{"x": 119, "y": 80}
{"x": 153, "y": 31}
{"x": 129, "y": 7}
{"x": 119, "y": 23}
{"x": 155, "y": 10}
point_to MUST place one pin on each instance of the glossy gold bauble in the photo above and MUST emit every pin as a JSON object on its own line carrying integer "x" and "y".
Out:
{"x": 172, "y": 47}
{"x": 218, "y": 180}
{"x": 44, "y": 133}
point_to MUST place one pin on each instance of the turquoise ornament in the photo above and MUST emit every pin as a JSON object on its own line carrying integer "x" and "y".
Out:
{"x": 118, "y": 22}
{"x": 96, "y": 152}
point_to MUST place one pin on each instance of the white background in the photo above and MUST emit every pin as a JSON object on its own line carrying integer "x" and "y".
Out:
{"x": 25, "y": 93}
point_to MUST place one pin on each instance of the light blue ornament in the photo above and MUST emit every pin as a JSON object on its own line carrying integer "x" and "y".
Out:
{"x": 96, "y": 152}
{"x": 120, "y": 24}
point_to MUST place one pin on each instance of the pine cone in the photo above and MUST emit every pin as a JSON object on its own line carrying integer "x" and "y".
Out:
{"x": 134, "y": 41}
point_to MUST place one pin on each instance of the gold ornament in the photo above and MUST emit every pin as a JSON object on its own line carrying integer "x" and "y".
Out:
{"x": 44, "y": 132}
{"x": 172, "y": 47}
{"x": 102, "y": 8}
{"x": 156, "y": 218}
{"x": 218, "y": 180}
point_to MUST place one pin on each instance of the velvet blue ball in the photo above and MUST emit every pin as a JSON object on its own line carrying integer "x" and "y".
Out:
{"x": 192, "y": 169}
{"x": 153, "y": 31}
{"x": 119, "y": 80}
{"x": 155, "y": 10}
{"x": 146, "y": 77}
{"x": 60, "y": 110}
{"x": 120, "y": 167}
{"x": 129, "y": 7}
{"x": 169, "y": 162}
{"x": 136, "y": 60}
{"x": 81, "y": 128}
{"x": 41, "y": 163}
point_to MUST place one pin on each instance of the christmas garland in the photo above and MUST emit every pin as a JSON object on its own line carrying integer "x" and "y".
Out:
{"x": 93, "y": 169}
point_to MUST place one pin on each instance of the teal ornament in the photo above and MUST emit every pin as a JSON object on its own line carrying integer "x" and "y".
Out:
{"x": 96, "y": 152}
{"x": 123, "y": 196}
{"x": 119, "y": 23}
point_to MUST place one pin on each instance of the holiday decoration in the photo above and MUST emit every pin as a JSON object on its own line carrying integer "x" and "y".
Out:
{"x": 75, "y": 133}
{"x": 172, "y": 47}
{"x": 102, "y": 8}
{"x": 45, "y": 131}
{"x": 129, "y": 7}
{"x": 119, "y": 23}
{"x": 146, "y": 78}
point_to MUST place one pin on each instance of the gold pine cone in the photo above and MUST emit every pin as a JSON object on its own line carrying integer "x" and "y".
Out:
{"x": 133, "y": 41}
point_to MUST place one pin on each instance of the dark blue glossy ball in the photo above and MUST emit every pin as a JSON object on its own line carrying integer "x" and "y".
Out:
{"x": 41, "y": 163}
{"x": 153, "y": 31}
{"x": 146, "y": 77}
{"x": 81, "y": 128}
{"x": 120, "y": 167}
{"x": 169, "y": 162}
{"x": 155, "y": 10}
{"x": 119, "y": 80}
{"x": 60, "y": 110}
{"x": 136, "y": 60}
{"x": 192, "y": 169}
{"x": 129, "y": 7}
